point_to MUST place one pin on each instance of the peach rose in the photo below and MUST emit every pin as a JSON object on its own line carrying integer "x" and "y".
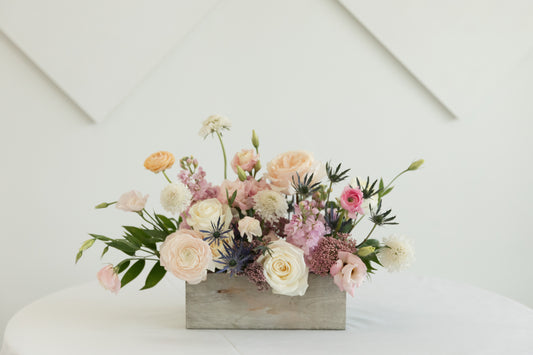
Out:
{"x": 132, "y": 201}
{"x": 159, "y": 161}
{"x": 109, "y": 279}
{"x": 283, "y": 167}
{"x": 187, "y": 256}
{"x": 246, "y": 159}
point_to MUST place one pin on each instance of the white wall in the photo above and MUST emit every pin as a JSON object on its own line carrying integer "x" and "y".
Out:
{"x": 304, "y": 75}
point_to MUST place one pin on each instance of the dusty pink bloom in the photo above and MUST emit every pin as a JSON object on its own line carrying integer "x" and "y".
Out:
{"x": 200, "y": 188}
{"x": 348, "y": 272}
{"x": 246, "y": 159}
{"x": 132, "y": 201}
{"x": 326, "y": 253}
{"x": 351, "y": 201}
{"x": 109, "y": 279}
{"x": 246, "y": 190}
{"x": 306, "y": 227}
{"x": 254, "y": 273}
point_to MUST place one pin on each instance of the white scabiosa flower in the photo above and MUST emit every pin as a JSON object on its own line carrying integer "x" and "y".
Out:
{"x": 214, "y": 124}
{"x": 398, "y": 253}
{"x": 271, "y": 205}
{"x": 176, "y": 197}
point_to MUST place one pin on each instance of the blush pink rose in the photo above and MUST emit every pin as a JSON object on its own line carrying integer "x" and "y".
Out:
{"x": 348, "y": 272}
{"x": 351, "y": 201}
{"x": 246, "y": 159}
{"x": 109, "y": 279}
{"x": 282, "y": 168}
{"x": 187, "y": 256}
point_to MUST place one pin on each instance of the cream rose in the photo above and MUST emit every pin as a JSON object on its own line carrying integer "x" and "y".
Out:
{"x": 187, "y": 256}
{"x": 250, "y": 227}
{"x": 282, "y": 168}
{"x": 206, "y": 214}
{"x": 285, "y": 269}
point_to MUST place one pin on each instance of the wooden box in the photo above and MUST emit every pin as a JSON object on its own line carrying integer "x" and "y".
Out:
{"x": 224, "y": 302}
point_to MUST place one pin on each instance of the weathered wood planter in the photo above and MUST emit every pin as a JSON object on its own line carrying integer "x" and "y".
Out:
{"x": 223, "y": 302}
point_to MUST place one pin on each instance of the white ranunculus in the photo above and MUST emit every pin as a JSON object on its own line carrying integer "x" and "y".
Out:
{"x": 132, "y": 201}
{"x": 285, "y": 269}
{"x": 250, "y": 227}
{"x": 203, "y": 213}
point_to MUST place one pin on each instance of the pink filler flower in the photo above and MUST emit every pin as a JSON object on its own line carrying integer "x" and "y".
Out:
{"x": 109, "y": 279}
{"x": 246, "y": 159}
{"x": 351, "y": 201}
{"x": 348, "y": 272}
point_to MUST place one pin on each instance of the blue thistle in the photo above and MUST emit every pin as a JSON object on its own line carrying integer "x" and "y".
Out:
{"x": 217, "y": 233}
{"x": 233, "y": 258}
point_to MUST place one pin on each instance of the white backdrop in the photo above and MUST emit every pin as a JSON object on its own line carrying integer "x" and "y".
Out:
{"x": 304, "y": 75}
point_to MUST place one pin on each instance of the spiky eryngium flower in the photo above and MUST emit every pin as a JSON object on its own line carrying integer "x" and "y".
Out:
{"x": 335, "y": 175}
{"x": 379, "y": 218}
{"x": 233, "y": 259}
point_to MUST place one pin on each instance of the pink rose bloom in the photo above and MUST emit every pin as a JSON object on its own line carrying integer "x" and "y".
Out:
{"x": 132, "y": 201}
{"x": 246, "y": 190}
{"x": 351, "y": 201}
{"x": 109, "y": 279}
{"x": 348, "y": 272}
{"x": 246, "y": 159}
{"x": 186, "y": 255}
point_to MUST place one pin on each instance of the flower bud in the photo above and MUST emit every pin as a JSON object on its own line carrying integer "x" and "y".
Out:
{"x": 241, "y": 173}
{"x": 415, "y": 165}
{"x": 365, "y": 251}
{"x": 102, "y": 205}
{"x": 257, "y": 166}
{"x": 255, "y": 140}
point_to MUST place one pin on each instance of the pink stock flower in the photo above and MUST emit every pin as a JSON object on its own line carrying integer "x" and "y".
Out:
{"x": 246, "y": 159}
{"x": 109, "y": 279}
{"x": 348, "y": 272}
{"x": 306, "y": 227}
{"x": 351, "y": 201}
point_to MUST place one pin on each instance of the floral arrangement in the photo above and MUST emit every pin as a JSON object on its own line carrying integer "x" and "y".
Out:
{"x": 272, "y": 228}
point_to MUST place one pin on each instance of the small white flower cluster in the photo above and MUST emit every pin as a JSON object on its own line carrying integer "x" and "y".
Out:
{"x": 398, "y": 253}
{"x": 214, "y": 124}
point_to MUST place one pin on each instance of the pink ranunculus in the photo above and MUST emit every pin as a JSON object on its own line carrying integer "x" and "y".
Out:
{"x": 246, "y": 159}
{"x": 351, "y": 201}
{"x": 109, "y": 279}
{"x": 132, "y": 201}
{"x": 348, "y": 272}
{"x": 187, "y": 256}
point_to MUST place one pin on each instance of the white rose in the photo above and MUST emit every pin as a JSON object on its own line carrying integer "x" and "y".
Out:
{"x": 285, "y": 270}
{"x": 132, "y": 201}
{"x": 250, "y": 227}
{"x": 204, "y": 217}
{"x": 205, "y": 212}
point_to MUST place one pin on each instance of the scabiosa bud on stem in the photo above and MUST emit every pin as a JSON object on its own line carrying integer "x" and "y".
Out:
{"x": 415, "y": 165}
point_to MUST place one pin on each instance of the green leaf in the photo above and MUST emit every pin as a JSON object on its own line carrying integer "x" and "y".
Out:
{"x": 87, "y": 244}
{"x": 106, "y": 249}
{"x": 100, "y": 237}
{"x": 155, "y": 275}
{"x": 123, "y": 265}
{"x": 387, "y": 191}
{"x": 167, "y": 223}
{"x": 78, "y": 256}
{"x": 124, "y": 246}
{"x": 132, "y": 272}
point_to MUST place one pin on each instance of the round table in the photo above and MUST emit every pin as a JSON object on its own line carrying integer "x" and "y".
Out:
{"x": 392, "y": 314}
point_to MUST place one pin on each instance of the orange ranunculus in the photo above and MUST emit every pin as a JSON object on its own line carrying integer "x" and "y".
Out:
{"x": 159, "y": 161}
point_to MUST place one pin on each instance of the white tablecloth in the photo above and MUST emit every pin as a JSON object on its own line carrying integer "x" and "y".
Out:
{"x": 393, "y": 314}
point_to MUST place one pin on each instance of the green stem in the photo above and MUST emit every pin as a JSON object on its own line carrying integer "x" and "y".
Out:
{"x": 327, "y": 200}
{"x": 164, "y": 173}
{"x": 359, "y": 220}
{"x": 364, "y": 240}
{"x": 224, "y": 153}
{"x": 142, "y": 258}
{"x": 339, "y": 222}
{"x": 397, "y": 176}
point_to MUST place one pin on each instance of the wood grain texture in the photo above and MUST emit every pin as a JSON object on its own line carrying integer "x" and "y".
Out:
{"x": 223, "y": 302}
